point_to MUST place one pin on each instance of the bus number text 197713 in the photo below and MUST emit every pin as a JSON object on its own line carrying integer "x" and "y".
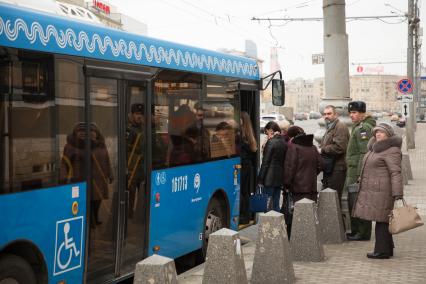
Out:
{"x": 180, "y": 183}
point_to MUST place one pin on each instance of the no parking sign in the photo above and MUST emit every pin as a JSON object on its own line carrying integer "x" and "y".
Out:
{"x": 405, "y": 86}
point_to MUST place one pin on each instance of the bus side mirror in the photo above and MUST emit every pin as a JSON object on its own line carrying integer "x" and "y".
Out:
{"x": 278, "y": 92}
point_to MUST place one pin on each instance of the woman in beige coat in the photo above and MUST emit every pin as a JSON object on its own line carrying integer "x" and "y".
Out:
{"x": 380, "y": 186}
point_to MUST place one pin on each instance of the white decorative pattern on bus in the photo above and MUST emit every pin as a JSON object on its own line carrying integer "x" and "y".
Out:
{"x": 122, "y": 47}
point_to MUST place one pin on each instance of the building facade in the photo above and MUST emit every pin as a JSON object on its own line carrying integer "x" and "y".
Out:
{"x": 378, "y": 91}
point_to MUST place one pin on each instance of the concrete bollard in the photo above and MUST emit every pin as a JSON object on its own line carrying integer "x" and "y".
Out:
{"x": 272, "y": 261}
{"x": 330, "y": 217}
{"x": 404, "y": 176}
{"x": 305, "y": 241}
{"x": 406, "y": 166}
{"x": 319, "y": 186}
{"x": 224, "y": 261}
{"x": 155, "y": 269}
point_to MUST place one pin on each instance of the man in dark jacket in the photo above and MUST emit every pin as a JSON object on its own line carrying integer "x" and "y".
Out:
{"x": 135, "y": 142}
{"x": 272, "y": 168}
{"x": 357, "y": 147}
{"x": 333, "y": 150}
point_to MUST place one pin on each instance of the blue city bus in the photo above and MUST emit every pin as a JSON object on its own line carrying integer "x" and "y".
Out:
{"x": 113, "y": 147}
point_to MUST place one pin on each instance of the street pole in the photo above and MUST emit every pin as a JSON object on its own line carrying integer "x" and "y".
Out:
{"x": 336, "y": 72}
{"x": 336, "y": 61}
{"x": 410, "y": 58}
{"x": 417, "y": 68}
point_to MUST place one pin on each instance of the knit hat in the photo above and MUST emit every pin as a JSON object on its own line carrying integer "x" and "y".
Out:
{"x": 359, "y": 106}
{"x": 385, "y": 127}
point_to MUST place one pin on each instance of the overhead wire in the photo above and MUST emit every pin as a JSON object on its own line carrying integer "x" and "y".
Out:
{"x": 227, "y": 19}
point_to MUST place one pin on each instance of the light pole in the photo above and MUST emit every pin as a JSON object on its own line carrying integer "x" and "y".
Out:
{"x": 336, "y": 72}
{"x": 410, "y": 66}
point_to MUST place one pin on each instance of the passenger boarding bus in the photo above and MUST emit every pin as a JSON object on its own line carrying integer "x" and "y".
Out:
{"x": 113, "y": 147}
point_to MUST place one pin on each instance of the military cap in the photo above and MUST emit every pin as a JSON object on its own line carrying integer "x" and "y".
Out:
{"x": 137, "y": 107}
{"x": 359, "y": 106}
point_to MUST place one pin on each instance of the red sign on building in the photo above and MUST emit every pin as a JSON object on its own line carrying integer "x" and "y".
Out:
{"x": 102, "y": 6}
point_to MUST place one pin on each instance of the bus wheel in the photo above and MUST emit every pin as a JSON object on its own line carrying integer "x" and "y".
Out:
{"x": 215, "y": 220}
{"x": 15, "y": 270}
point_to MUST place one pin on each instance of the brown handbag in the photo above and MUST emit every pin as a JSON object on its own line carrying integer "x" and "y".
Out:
{"x": 404, "y": 218}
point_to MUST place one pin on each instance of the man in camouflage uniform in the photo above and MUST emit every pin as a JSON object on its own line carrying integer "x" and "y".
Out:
{"x": 135, "y": 161}
{"x": 357, "y": 147}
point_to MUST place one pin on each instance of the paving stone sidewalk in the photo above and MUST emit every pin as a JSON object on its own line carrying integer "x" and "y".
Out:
{"x": 347, "y": 263}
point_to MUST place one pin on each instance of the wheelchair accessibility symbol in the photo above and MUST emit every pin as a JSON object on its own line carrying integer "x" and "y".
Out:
{"x": 69, "y": 245}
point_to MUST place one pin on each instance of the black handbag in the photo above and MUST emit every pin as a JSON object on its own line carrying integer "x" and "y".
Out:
{"x": 259, "y": 201}
{"x": 328, "y": 162}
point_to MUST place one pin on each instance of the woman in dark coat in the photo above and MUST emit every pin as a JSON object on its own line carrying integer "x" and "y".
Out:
{"x": 73, "y": 164}
{"x": 272, "y": 168}
{"x": 248, "y": 161}
{"x": 380, "y": 185}
{"x": 301, "y": 167}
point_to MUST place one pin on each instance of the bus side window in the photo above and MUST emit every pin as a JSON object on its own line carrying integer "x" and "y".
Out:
{"x": 181, "y": 143}
{"x": 221, "y": 118}
{"x": 176, "y": 96}
{"x": 42, "y": 101}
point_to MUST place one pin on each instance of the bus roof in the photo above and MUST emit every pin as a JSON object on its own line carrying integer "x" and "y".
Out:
{"x": 34, "y": 30}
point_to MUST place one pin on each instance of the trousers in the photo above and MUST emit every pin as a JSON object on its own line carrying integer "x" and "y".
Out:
{"x": 384, "y": 241}
{"x": 274, "y": 193}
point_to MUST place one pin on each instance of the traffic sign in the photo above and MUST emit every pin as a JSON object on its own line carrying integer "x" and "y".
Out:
{"x": 318, "y": 58}
{"x": 407, "y": 98}
{"x": 405, "y": 86}
{"x": 405, "y": 109}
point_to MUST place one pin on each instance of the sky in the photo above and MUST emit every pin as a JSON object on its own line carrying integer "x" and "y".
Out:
{"x": 227, "y": 24}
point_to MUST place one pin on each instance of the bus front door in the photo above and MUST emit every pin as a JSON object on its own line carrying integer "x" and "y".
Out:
{"x": 117, "y": 191}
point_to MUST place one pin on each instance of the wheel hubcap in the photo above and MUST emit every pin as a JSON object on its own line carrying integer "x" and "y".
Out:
{"x": 213, "y": 223}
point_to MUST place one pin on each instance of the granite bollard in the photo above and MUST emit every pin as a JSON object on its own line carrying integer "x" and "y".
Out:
{"x": 319, "y": 186}
{"x": 224, "y": 261}
{"x": 330, "y": 217}
{"x": 155, "y": 269}
{"x": 404, "y": 176}
{"x": 272, "y": 261}
{"x": 406, "y": 166}
{"x": 305, "y": 241}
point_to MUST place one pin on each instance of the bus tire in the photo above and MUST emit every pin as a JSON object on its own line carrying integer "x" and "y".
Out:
{"x": 15, "y": 269}
{"x": 215, "y": 220}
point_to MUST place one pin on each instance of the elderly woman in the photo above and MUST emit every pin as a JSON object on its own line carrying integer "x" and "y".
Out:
{"x": 301, "y": 166}
{"x": 380, "y": 186}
